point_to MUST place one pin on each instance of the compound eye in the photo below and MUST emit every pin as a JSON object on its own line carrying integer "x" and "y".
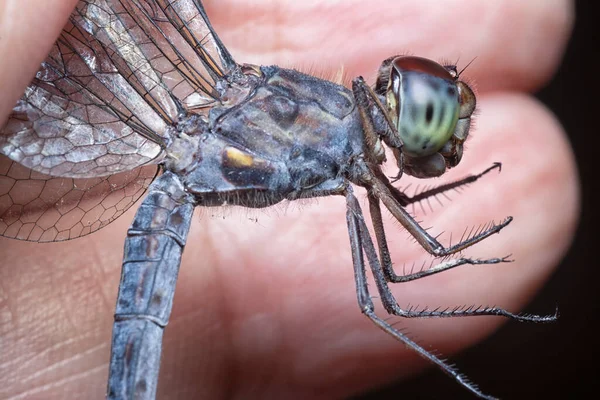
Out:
{"x": 422, "y": 65}
{"x": 468, "y": 101}
{"x": 428, "y": 104}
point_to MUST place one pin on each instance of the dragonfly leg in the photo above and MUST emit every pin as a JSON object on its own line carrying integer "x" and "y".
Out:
{"x": 360, "y": 241}
{"x": 378, "y": 187}
{"x": 434, "y": 191}
{"x": 404, "y": 200}
{"x": 386, "y": 260}
{"x": 151, "y": 262}
{"x": 383, "y": 273}
{"x": 376, "y": 125}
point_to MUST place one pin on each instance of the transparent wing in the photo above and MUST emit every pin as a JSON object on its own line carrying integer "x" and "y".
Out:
{"x": 68, "y": 123}
{"x": 40, "y": 208}
{"x": 114, "y": 84}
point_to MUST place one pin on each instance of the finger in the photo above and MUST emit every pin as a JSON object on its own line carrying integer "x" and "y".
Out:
{"x": 518, "y": 44}
{"x": 27, "y": 30}
{"x": 80, "y": 311}
{"x": 522, "y": 57}
{"x": 274, "y": 299}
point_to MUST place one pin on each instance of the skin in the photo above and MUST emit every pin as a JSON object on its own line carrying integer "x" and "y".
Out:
{"x": 267, "y": 308}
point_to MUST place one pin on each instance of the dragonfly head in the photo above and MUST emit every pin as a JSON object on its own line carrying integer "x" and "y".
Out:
{"x": 431, "y": 108}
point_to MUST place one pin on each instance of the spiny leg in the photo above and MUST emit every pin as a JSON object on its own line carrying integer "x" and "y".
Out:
{"x": 383, "y": 272}
{"x": 432, "y": 192}
{"x": 358, "y": 240}
{"x": 386, "y": 260}
{"x": 377, "y": 220}
{"x": 376, "y": 124}
{"x": 378, "y": 187}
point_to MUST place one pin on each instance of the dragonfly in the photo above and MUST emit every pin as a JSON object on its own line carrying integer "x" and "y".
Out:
{"x": 141, "y": 98}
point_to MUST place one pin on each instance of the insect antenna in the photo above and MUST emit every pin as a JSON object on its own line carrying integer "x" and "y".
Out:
{"x": 466, "y": 66}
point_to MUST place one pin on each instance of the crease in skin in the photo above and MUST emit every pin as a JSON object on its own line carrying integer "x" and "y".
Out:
{"x": 64, "y": 362}
{"x": 99, "y": 276}
{"x": 62, "y": 304}
{"x": 39, "y": 357}
{"x": 24, "y": 359}
{"x": 30, "y": 393}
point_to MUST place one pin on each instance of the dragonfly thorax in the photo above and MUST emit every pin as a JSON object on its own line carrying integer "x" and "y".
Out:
{"x": 279, "y": 134}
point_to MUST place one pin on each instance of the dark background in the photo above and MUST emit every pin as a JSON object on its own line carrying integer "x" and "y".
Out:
{"x": 523, "y": 361}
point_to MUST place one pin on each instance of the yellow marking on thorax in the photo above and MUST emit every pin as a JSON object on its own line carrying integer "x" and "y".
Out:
{"x": 238, "y": 158}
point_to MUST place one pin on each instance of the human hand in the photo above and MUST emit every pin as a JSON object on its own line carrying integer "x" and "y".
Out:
{"x": 267, "y": 309}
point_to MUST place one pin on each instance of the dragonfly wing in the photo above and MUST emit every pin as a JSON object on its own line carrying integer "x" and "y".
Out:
{"x": 191, "y": 21}
{"x": 41, "y": 208}
{"x": 166, "y": 47}
{"x": 108, "y": 95}
{"x": 105, "y": 102}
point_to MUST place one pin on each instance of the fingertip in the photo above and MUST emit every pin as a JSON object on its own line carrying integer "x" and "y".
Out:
{"x": 518, "y": 44}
